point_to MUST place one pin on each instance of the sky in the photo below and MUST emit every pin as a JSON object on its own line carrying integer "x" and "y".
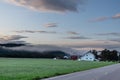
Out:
{"x": 73, "y": 23}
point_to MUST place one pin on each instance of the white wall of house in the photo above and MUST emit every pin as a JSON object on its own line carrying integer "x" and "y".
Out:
{"x": 88, "y": 57}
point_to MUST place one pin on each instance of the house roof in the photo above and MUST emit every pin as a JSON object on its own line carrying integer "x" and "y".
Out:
{"x": 87, "y": 53}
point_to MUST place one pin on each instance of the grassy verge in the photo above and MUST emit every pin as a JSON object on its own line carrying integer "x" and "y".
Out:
{"x": 33, "y": 69}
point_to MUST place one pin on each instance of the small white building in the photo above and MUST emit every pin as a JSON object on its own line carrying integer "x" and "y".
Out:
{"x": 89, "y": 56}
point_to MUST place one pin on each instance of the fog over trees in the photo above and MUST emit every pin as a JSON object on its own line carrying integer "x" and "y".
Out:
{"x": 6, "y": 51}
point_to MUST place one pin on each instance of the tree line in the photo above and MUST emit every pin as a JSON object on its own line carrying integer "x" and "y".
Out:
{"x": 107, "y": 55}
{"x": 8, "y": 53}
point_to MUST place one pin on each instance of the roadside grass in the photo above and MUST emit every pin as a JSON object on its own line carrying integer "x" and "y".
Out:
{"x": 35, "y": 69}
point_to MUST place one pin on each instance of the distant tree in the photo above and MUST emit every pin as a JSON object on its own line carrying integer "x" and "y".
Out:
{"x": 114, "y": 55}
{"x": 95, "y": 53}
{"x": 107, "y": 55}
{"x": 119, "y": 57}
{"x": 31, "y": 54}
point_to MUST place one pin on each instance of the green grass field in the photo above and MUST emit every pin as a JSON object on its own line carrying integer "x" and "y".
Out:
{"x": 34, "y": 69}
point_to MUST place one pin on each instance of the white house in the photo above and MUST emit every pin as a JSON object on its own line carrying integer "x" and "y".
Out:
{"x": 89, "y": 56}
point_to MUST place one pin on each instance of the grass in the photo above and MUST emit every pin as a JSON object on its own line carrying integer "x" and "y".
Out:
{"x": 35, "y": 69}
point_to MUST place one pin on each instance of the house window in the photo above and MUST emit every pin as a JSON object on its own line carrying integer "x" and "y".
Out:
{"x": 86, "y": 58}
{"x": 90, "y": 58}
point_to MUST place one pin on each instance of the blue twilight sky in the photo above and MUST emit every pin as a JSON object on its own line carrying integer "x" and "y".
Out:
{"x": 74, "y": 23}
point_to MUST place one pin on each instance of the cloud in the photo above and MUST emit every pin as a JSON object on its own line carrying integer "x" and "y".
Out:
{"x": 11, "y": 38}
{"x": 109, "y": 34}
{"x": 14, "y": 37}
{"x": 32, "y": 31}
{"x": 99, "y": 19}
{"x": 117, "y": 16}
{"x": 53, "y": 32}
{"x": 96, "y": 44}
{"x": 115, "y": 40}
{"x": 78, "y": 37}
{"x": 20, "y": 42}
{"x": 50, "y": 25}
{"x": 49, "y": 5}
{"x": 72, "y": 32}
